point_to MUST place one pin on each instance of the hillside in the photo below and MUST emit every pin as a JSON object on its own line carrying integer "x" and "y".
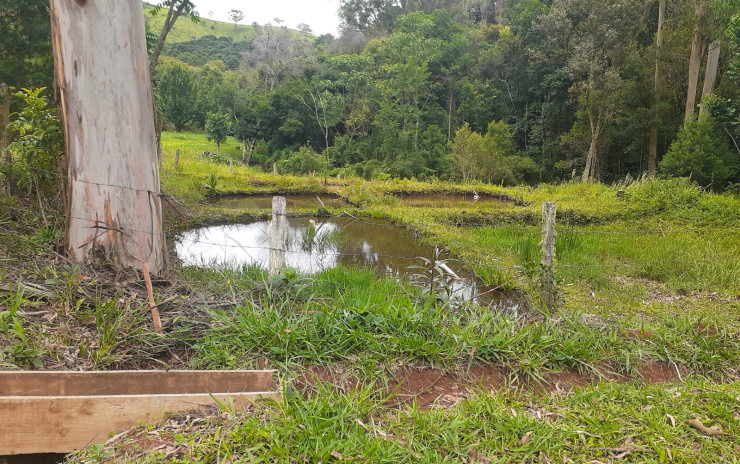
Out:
{"x": 186, "y": 30}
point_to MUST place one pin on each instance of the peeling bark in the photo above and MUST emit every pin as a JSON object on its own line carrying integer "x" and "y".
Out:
{"x": 710, "y": 75}
{"x": 697, "y": 44}
{"x": 653, "y": 148}
{"x": 4, "y": 121}
{"x": 105, "y": 96}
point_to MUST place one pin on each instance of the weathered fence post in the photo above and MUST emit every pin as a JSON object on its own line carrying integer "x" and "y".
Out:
{"x": 274, "y": 169}
{"x": 547, "y": 277}
{"x": 177, "y": 159}
{"x": 4, "y": 121}
{"x": 231, "y": 167}
{"x": 276, "y": 233}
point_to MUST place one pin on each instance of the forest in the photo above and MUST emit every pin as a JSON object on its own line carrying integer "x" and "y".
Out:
{"x": 499, "y": 91}
{"x": 503, "y": 92}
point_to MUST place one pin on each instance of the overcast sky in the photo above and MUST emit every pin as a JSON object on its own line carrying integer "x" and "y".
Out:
{"x": 321, "y": 15}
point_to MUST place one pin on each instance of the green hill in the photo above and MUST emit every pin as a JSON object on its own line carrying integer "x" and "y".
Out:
{"x": 186, "y": 30}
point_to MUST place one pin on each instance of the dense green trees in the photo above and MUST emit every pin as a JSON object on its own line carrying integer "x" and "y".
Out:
{"x": 176, "y": 96}
{"x": 25, "y": 44}
{"x": 570, "y": 85}
{"x": 575, "y": 87}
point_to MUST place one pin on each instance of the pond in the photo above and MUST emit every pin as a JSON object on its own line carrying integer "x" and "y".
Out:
{"x": 317, "y": 244}
{"x": 265, "y": 202}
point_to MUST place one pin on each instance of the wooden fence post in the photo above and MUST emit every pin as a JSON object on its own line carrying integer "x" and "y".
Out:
{"x": 4, "y": 121}
{"x": 274, "y": 169}
{"x": 547, "y": 282}
{"x": 231, "y": 167}
{"x": 177, "y": 159}
{"x": 277, "y": 235}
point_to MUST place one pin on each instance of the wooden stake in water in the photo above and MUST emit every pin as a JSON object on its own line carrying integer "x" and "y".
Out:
{"x": 547, "y": 277}
{"x": 277, "y": 235}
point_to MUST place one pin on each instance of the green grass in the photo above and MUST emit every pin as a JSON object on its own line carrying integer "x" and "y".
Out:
{"x": 350, "y": 317}
{"x": 623, "y": 422}
{"x": 185, "y": 29}
{"x": 648, "y": 276}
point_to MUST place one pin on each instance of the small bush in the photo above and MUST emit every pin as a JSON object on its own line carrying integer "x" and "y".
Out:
{"x": 303, "y": 161}
{"x": 701, "y": 152}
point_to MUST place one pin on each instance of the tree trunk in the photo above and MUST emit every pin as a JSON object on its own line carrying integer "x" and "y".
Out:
{"x": 251, "y": 150}
{"x": 694, "y": 65}
{"x": 4, "y": 136}
{"x": 710, "y": 75}
{"x": 160, "y": 122}
{"x": 172, "y": 15}
{"x": 653, "y": 149}
{"x": 244, "y": 152}
{"x": 105, "y": 96}
{"x": 589, "y": 172}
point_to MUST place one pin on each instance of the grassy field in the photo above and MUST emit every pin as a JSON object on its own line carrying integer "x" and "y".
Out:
{"x": 644, "y": 340}
{"x": 186, "y": 29}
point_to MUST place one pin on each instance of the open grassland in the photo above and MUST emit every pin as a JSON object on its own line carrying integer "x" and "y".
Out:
{"x": 188, "y": 30}
{"x": 644, "y": 340}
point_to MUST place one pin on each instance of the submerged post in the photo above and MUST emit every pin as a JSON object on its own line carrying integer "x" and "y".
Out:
{"x": 547, "y": 277}
{"x": 276, "y": 233}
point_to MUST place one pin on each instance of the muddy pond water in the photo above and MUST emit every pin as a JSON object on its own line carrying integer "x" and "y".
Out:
{"x": 316, "y": 244}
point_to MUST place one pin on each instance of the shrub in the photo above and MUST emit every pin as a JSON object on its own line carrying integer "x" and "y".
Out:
{"x": 303, "y": 161}
{"x": 39, "y": 145}
{"x": 701, "y": 152}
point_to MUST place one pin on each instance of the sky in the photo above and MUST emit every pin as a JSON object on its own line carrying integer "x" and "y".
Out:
{"x": 321, "y": 15}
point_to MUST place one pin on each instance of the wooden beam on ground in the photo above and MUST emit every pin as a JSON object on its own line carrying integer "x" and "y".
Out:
{"x": 61, "y": 412}
{"x": 63, "y": 424}
{"x": 65, "y": 383}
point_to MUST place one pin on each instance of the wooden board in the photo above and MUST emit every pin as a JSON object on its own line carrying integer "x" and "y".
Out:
{"x": 55, "y": 383}
{"x": 63, "y": 424}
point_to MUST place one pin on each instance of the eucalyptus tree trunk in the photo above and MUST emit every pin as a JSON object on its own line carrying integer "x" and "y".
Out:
{"x": 174, "y": 11}
{"x": 710, "y": 75}
{"x": 102, "y": 76}
{"x": 4, "y": 121}
{"x": 589, "y": 172}
{"x": 697, "y": 44}
{"x": 653, "y": 148}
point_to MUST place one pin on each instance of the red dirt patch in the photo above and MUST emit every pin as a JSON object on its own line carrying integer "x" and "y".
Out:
{"x": 430, "y": 387}
{"x": 659, "y": 372}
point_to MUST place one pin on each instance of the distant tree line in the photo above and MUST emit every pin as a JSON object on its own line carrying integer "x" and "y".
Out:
{"x": 500, "y": 91}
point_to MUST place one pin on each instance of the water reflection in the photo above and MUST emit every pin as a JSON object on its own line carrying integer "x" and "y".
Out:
{"x": 314, "y": 245}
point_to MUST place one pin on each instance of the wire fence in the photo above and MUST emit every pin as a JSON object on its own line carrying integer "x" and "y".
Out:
{"x": 422, "y": 224}
{"x": 319, "y": 289}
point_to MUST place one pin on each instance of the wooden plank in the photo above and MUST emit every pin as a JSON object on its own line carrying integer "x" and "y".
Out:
{"x": 63, "y": 424}
{"x": 50, "y": 383}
